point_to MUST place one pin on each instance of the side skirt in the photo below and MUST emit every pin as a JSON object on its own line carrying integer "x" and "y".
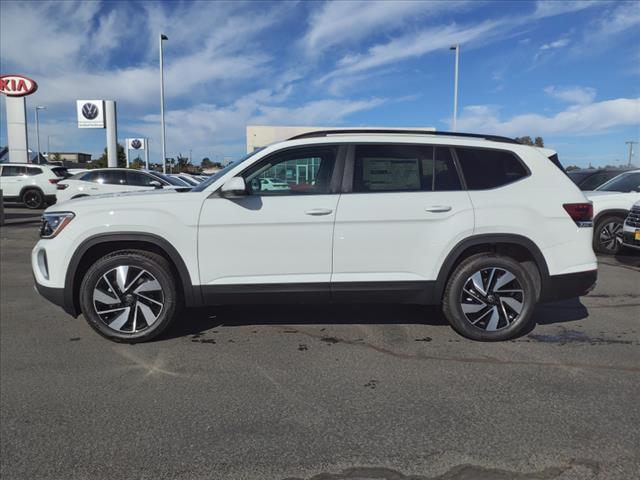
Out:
{"x": 420, "y": 293}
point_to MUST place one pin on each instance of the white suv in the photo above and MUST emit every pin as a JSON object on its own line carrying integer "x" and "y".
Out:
{"x": 30, "y": 184}
{"x": 112, "y": 180}
{"x": 482, "y": 225}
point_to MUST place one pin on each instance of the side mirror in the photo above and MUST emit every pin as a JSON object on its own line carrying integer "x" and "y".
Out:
{"x": 155, "y": 184}
{"x": 234, "y": 188}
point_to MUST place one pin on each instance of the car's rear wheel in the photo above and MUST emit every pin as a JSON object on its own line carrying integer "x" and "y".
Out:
{"x": 129, "y": 296}
{"x": 607, "y": 235}
{"x": 489, "y": 298}
{"x": 33, "y": 198}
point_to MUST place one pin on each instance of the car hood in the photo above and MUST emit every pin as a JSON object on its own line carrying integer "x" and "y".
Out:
{"x": 138, "y": 195}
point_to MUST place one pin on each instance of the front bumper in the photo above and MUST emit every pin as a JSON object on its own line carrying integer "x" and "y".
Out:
{"x": 570, "y": 285}
{"x": 628, "y": 239}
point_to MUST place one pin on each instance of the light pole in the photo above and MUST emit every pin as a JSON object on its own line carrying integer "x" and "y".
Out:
{"x": 49, "y": 145}
{"x": 164, "y": 146}
{"x": 455, "y": 47}
{"x": 630, "y": 143}
{"x": 38, "y": 131}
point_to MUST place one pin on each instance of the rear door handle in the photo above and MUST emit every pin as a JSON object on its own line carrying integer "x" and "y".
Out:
{"x": 319, "y": 211}
{"x": 438, "y": 208}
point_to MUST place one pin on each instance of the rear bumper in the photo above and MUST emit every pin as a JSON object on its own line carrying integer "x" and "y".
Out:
{"x": 570, "y": 285}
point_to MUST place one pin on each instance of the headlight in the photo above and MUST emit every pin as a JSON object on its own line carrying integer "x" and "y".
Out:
{"x": 53, "y": 223}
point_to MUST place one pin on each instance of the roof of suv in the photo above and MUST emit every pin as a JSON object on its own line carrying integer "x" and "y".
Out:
{"x": 404, "y": 132}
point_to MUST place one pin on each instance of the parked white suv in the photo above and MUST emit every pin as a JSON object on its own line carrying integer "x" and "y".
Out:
{"x": 112, "y": 180}
{"x": 482, "y": 225}
{"x": 30, "y": 184}
{"x": 611, "y": 204}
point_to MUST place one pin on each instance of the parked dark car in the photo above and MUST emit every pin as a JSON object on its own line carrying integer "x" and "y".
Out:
{"x": 590, "y": 179}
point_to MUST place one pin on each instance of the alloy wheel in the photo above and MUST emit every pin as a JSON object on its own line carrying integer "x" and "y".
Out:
{"x": 128, "y": 299}
{"x": 31, "y": 199}
{"x": 492, "y": 299}
{"x": 611, "y": 236}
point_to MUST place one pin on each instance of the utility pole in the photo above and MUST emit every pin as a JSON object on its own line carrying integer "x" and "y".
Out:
{"x": 630, "y": 143}
{"x": 164, "y": 145}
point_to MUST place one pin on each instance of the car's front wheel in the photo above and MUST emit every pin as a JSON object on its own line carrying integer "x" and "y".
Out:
{"x": 129, "y": 296}
{"x": 489, "y": 297}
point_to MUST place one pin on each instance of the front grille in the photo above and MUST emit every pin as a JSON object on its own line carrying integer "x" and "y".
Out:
{"x": 633, "y": 219}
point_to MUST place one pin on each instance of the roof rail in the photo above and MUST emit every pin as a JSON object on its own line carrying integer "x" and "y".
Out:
{"x": 325, "y": 133}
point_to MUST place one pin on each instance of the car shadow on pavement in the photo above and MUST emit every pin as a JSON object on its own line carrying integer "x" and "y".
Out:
{"x": 198, "y": 321}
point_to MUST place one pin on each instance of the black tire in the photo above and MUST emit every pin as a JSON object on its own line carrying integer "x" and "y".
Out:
{"x": 496, "y": 299}
{"x": 607, "y": 235}
{"x": 33, "y": 198}
{"x": 164, "y": 303}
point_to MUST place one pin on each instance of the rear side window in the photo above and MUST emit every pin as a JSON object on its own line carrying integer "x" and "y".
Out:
{"x": 139, "y": 179}
{"x": 484, "y": 169}
{"x": 61, "y": 172}
{"x": 31, "y": 171}
{"x": 404, "y": 168}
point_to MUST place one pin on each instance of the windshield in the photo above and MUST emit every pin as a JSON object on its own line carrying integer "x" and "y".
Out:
{"x": 220, "y": 173}
{"x": 170, "y": 180}
{"x": 627, "y": 182}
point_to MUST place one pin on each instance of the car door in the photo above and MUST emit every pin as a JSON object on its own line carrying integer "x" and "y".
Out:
{"x": 273, "y": 241}
{"x": 403, "y": 207}
{"x": 12, "y": 179}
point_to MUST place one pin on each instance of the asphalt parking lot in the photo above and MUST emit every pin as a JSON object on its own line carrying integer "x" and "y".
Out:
{"x": 322, "y": 393}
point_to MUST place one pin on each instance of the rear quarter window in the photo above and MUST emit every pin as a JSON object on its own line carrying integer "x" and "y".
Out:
{"x": 484, "y": 169}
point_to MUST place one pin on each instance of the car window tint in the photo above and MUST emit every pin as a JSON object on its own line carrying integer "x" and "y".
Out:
{"x": 404, "y": 168}
{"x": 485, "y": 168}
{"x": 595, "y": 180}
{"x": 629, "y": 182}
{"x": 13, "y": 171}
{"x": 300, "y": 171}
{"x": 114, "y": 177}
{"x": 61, "y": 172}
{"x": 31, "y": 171}
{"x": 139, "y": 179}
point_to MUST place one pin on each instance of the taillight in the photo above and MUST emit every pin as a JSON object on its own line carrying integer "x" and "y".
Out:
{"x": 54, "y": 180}
{"x": 581, "y": 213}
{"x": 61, "y": 186}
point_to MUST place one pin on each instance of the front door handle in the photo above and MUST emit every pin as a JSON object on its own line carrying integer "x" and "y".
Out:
{"x": 319, "y": 211}
{"x": 438, "y": 208}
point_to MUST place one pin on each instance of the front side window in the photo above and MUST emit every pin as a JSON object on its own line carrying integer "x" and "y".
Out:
{"x": 13, "y": 171}
{"x": 300, "y": 171}
{"x": 113, "y": 177}
{"x": 404, "y": 168}
{"x": 629, "y": 182}
{"x": 484, "y": 168}
{"x": 595, "y": 180}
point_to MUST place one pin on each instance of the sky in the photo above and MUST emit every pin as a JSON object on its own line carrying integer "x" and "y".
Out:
{"x": 568, "y": 71}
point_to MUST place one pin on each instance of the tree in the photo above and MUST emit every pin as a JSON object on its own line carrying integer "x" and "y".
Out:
{"x": 137, "y": 163}
{"x": 538, "y": 142}
{"x": 103, "y": 163}
{"x": 206, "y": 163}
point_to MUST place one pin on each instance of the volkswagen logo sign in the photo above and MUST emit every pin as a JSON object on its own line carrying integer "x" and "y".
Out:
{"x": 89, "y": 111}
{"x": 136, "y": 144}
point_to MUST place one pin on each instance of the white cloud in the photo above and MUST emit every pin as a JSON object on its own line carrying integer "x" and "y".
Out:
{"x": 560, "y": 43}
{"x": 549, "y": 8}
{"x": 577, "y": 119}
{"x": 345, "y": 22}
{"x": 574, "y": 95}
{"x": 410, "y": 46}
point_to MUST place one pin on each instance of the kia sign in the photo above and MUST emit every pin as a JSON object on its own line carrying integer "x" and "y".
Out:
{"x": 90, "y": 113}
{"x": 136, "y": 143}
{"x": 17, "y": 85}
